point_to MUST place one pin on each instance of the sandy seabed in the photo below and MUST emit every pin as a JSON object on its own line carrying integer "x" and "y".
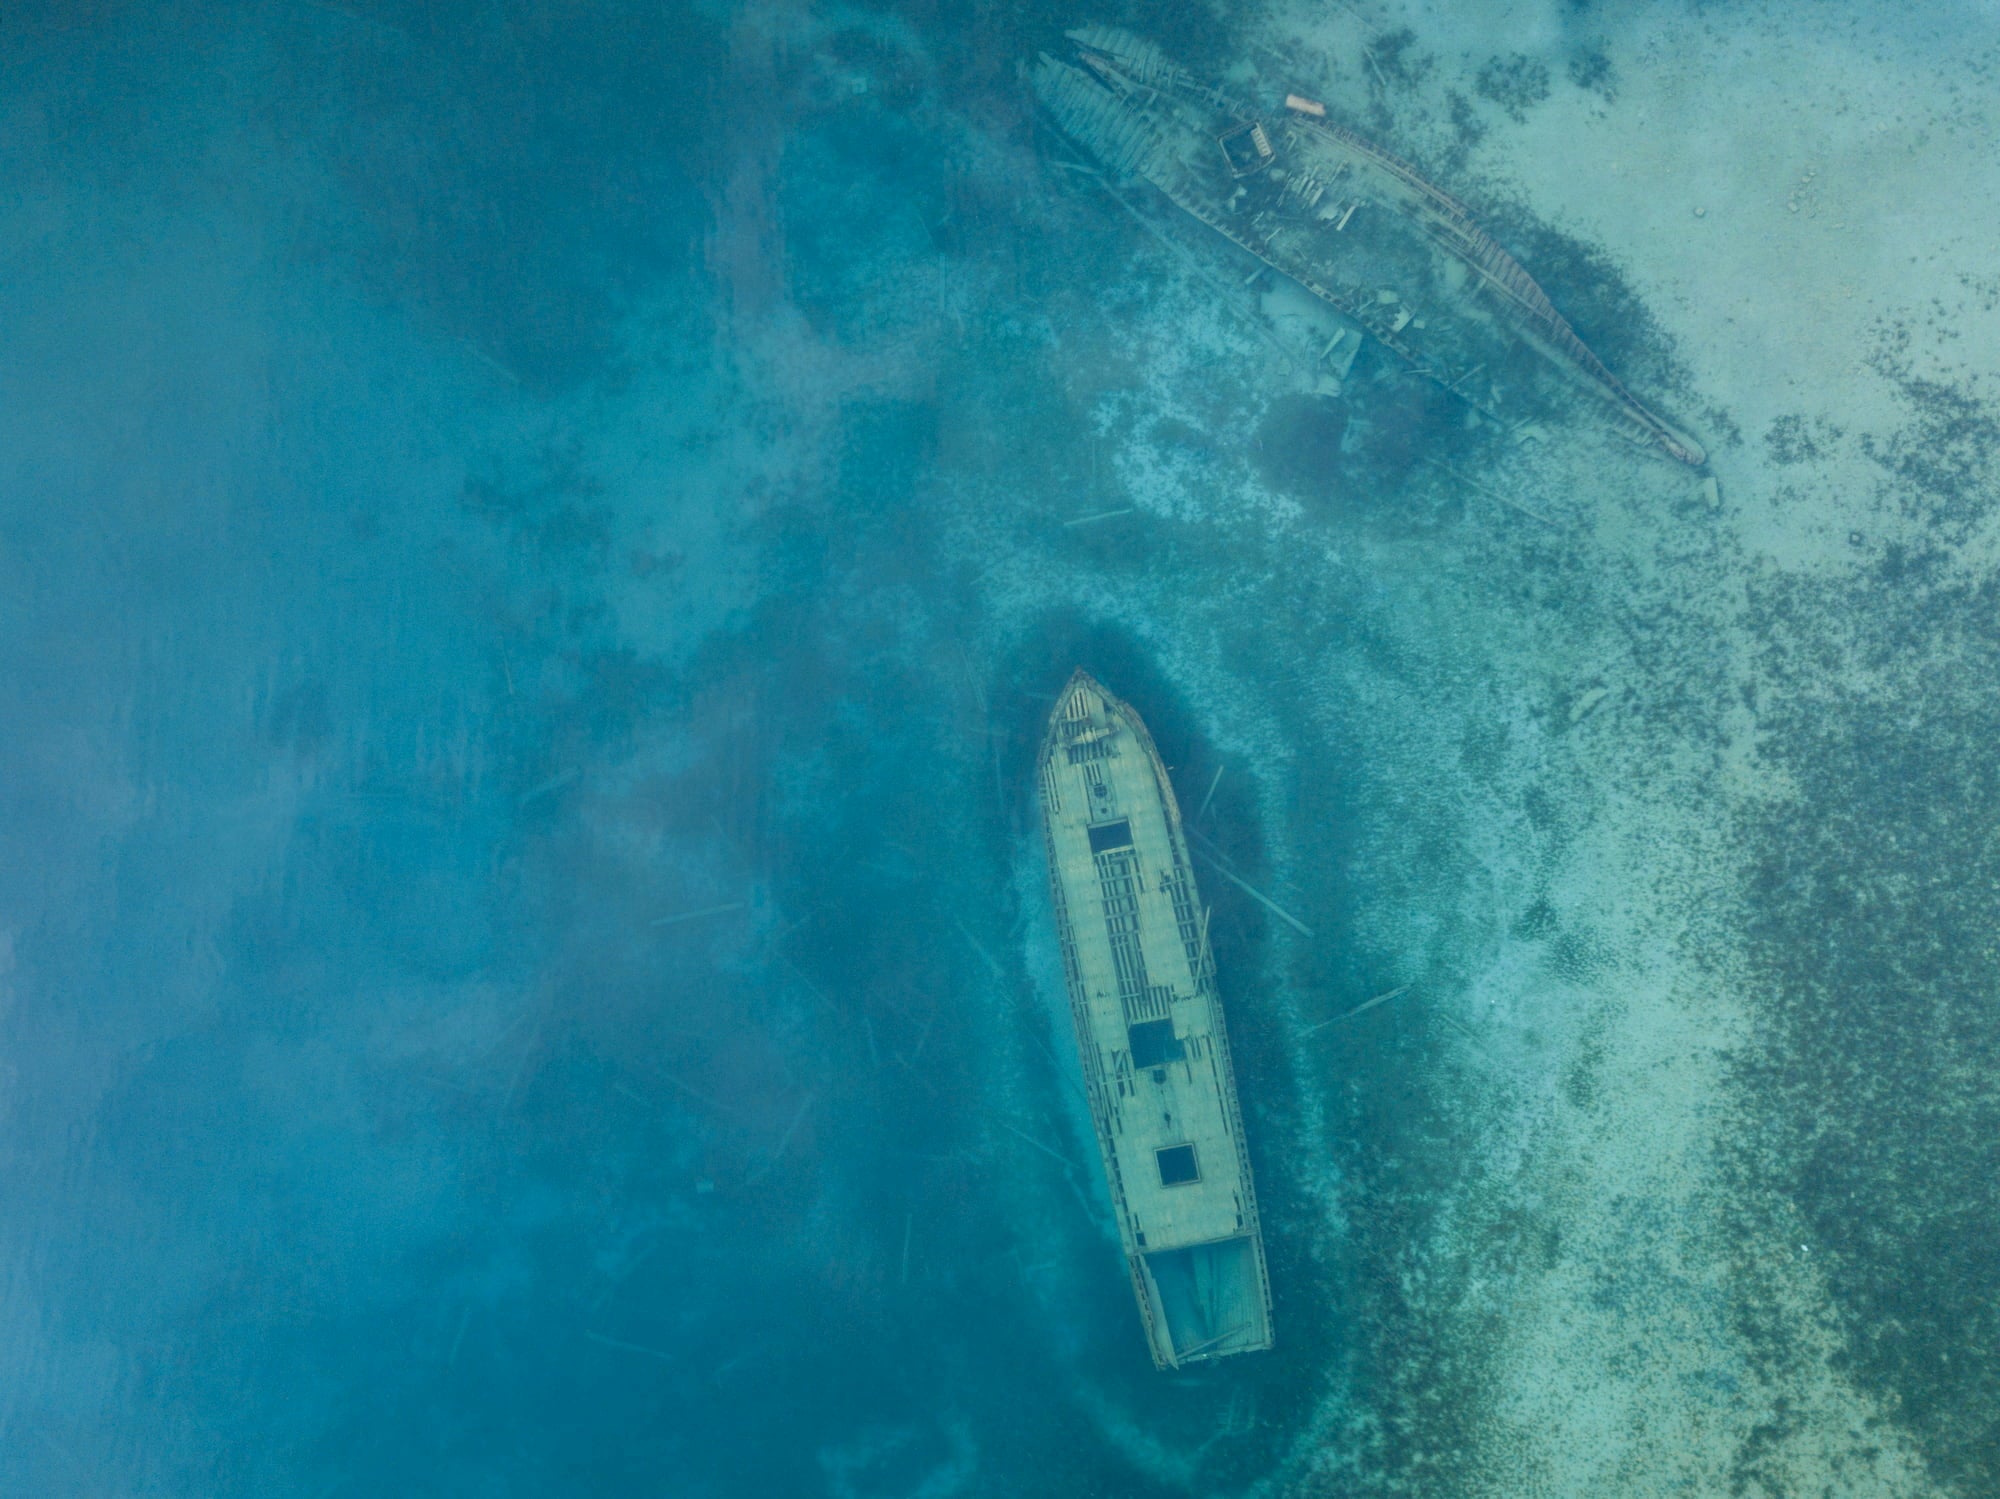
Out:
{"x": 1608, "y": 688}
{"x": 1621, "y": 1287}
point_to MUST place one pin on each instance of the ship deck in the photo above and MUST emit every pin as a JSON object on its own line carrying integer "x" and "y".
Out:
{"x": 1149, "y": 1025}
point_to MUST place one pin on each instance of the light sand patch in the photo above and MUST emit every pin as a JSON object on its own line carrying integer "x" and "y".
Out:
{"x": 1838, "y": 170}
{"x": 1782, "y": 189}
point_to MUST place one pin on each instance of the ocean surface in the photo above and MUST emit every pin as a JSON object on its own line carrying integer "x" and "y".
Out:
{"x": 537, "y": 544}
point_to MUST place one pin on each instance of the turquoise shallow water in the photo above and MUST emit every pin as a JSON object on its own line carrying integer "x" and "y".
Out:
{"x": 535, "y": 548}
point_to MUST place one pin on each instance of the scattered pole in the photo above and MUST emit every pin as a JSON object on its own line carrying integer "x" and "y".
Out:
{"x": 1219, "y": 769}
{"x": 1020, "y": 1135}
{"x": 811, "y": 988}
{"x": 1380, "y": 999}
{"x": 1085, "y": 520}
{"x": 598, "y": 1337}
{"x": 692, "y": 1092}
{"x": 991, "y": 961}
{"x": 1259, "y": 896}
{"x": 552, "y": 784}
{"x": 785, "y": 1140}
{"x": 1493, "y": 494}
{"x": 675, "y": 920}
{"x": 1471, "y": 1041}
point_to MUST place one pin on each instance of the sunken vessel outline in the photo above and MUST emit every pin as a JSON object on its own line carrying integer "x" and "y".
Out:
{"x": 1287, "y": 187}
{"x": 1150, "y": 1032}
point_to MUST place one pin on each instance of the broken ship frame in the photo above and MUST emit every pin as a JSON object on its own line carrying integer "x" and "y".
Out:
{"x": 1282, "y": 186}
{"x": 1149, "y": 1028}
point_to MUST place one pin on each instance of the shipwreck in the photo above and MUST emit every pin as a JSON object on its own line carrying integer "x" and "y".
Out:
{"x": 1149, "y": 1029}
{"x": 1355, "y": 226}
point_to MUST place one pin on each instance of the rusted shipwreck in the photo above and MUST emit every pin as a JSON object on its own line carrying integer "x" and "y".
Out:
{"x": 1355, "y": 226}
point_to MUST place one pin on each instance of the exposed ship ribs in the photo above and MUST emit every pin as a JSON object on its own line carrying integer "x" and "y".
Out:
{"x": 1286, "y": 188}
{"x": 1456, "y": 229}
{"x": 1138, "y": 59}
{"x": 1098, "y": 119}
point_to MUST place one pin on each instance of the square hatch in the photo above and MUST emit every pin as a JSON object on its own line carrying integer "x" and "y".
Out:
{"x": 1110, "y": 835}
{"x": 1154, "y": 1044}
{"x": 1248, "y": 148}
{"x": 1177, "y": 1165}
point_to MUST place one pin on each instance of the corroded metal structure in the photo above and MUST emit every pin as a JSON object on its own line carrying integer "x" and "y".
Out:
{"x": 1352, "y": 224}
{"x": 1134, "y": 938}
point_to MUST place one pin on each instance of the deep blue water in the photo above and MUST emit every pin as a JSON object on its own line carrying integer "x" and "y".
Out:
{"x": 484, "y": 813}
{"x": 531, "y": 575}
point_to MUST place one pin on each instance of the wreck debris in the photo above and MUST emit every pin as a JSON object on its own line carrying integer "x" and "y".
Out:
{"x": 1422, "y": 278}
{"x": 1361, "y": 1009}
{"x": 1493, "y": 494}
{"x": 1087, "y": 520}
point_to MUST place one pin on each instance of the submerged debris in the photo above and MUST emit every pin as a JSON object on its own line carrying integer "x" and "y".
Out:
{"x": 1361, "y": 1009}
{"x": 1353, "y": 225}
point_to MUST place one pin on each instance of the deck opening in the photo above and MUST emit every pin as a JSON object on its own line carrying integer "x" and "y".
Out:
{"x": 1247, "y": 147}
{"x": 1211, "y": 1298}
{"x": 1110, "y": 835}
{"x": 1086, "y": 750}
{"x": 1177, "y": 1165}
{"x": 1154, "y": 1044}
